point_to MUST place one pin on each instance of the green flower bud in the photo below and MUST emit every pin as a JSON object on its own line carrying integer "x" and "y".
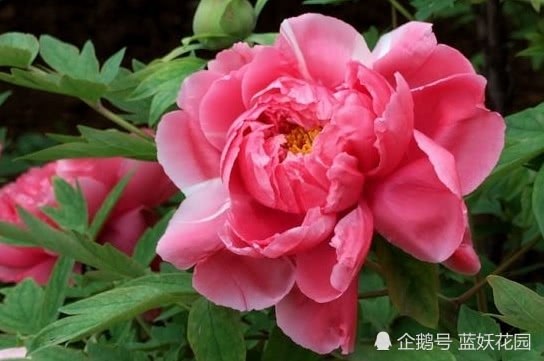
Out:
{"x": 220, "y": 23}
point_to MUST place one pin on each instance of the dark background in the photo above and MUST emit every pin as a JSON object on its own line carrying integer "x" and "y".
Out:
{"x": 150, "y": 29}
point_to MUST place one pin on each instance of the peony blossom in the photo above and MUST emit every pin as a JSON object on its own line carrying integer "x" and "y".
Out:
{"x": 132, "y": 214}
{"x": 293, "y": 155}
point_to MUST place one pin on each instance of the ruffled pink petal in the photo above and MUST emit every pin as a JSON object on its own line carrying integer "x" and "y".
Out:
{"x": 307, "y": 38}
{"x": 325, "y": 272}
{"x": 183, "y": 151}
{"x": 219, "y": 108}
{"x": 346, "y": 183}
{"x": 123, "y": 231}
{"x": 193, "y": 90}
{"x": 192, "y": 234}
{"x": 442, "y": 63}
{"x": 393, "y": 129}
{"x": 404, "y": 50}
{"x": 232, "y": 59}
{"x": 39, "y": 272}
{"x": 320, "y": 327}
{"x": 255, "y": 79}
{"x": 441, "y": 105}
{"x": 416, "y": 212}
{"x": 464, "y": 260}
{"x": 476, "y": 144}
{"x": 144, "y": 177}
{"x": 243, "y": 283}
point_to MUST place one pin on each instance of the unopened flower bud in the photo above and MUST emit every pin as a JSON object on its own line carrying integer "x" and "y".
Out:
{"x": 221, "y": 23}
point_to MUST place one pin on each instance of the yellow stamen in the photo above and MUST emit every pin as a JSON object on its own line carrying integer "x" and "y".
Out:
{"x": 300, "y": 140}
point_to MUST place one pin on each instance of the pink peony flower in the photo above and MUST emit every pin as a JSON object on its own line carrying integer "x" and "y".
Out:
{"x": 291, "y": 157}
{"x": 147, "y": 188}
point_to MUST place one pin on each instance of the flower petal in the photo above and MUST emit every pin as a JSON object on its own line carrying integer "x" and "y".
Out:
{"x": 310, "y": 37}
{"x": 482, "y": 134}
{"x": 442, "y": 63}
{"x": 243, "y": 283}
{"x": 404, "y": 49}
{"x": 219, "y": 108}
{"x": 464, "y": 260}
{"x": 325, "y": 272}
{"x": 416, "y": 212}
{"x": 321, "y": 327}
{"x": 184, "y": 152}
{"x": 193, "y": 89}
{"x": 192, "y": 234}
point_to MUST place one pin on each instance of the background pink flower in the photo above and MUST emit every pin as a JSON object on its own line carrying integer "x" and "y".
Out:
{"x": 147, "y": 188}
{"x": 291, "y": 157}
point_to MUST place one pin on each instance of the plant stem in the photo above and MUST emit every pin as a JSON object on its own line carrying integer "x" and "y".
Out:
{"x": 117, "y": 119}
{"x": 401, "y": 9}
{"x": 374, "y": 294}
{"x": 500, "y": 269}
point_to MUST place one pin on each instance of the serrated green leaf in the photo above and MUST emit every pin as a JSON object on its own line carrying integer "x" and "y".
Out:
{"x": 55, "y": 291}
{"x": 215, "y": 333}
{"x": 107, "y": 206}
{"x": 21, "y": 308}
{"x": 412, "y": 284}
{"x": 111, "y": 67}
{"x": 104, "y": 257}
{"x": 280, "y": 347}
{"x": 145, "y": 250}
{"x": 99, "y": 144}
{"x": 519, "y": 306}
{"x": 71, "y": 212}
{"x": 18, "y": 49}
{"x": 100, "y": 312}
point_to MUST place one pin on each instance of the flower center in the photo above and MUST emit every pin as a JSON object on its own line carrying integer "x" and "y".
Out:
{"x": 299, "y": 140}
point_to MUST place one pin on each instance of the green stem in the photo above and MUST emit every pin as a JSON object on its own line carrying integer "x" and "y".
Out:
{"x": 374, "y": 294}
{"x": 117, "y": 119}
{"x": 500, "y": 269}
{"x": 401, "y": 9}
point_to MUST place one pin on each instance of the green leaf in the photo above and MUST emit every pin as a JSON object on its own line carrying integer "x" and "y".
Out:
{"x": 112, "y": 66}
{"x": 104, "y": 257}
{"x": 215, "y": 333}
{"x": 369, "y": 353}
{"x": 4, "y": 96}
{"x": 71, "y": 212}
{"x": 107, "y": 206}
{"x": 519, "y": 306}
{"x": 536, "y": 4}
{"x": 412, "y": 284}
{"x": 524, "y": 139}
{"x": 280, "y": 347}
{"x": 162, "y": 81}
{"x": 473, "y": 322}
{"x": 21, "y": 308}
{"x": 100, "y": 144}
{"x": 18, "y": 49}
{"x": 377, "y": 311}
{"x": 262, "y": 38}
{"x": 55, "y": 291}
{"x": 259, "y": 5}
{"x": 98, "y": 352}
{"x": 145, "y": 250}
{"x": 98, "y": 313}
{"x": 178, "y": 283}
{"x": 538, "y": 199}
{"x": 427, "y": 8}
{"x": 57, "y": 353}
